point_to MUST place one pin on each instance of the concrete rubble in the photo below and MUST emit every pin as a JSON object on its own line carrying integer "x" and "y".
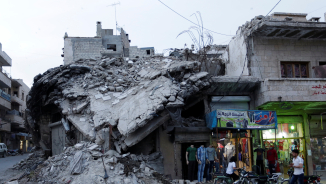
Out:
{"x": 85, "y": 165}
{"x": 114, "y": 103}
{"x": 114, "y": 92}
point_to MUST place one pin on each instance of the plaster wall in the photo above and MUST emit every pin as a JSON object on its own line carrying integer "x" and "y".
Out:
{"x": 237, "y": 57}
{"x": 295, "y": 89}
{"x": 113, "y": 39}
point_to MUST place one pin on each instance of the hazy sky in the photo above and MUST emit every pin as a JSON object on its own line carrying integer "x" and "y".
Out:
{"x": 31, "y": 32}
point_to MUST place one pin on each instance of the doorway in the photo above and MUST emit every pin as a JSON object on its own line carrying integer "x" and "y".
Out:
{"x": 184, "y": 147}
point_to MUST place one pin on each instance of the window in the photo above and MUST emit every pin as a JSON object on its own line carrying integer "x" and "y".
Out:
{"x": 16, "y": 93}
{"x": 148, "y": 52}
{"x": 23, "y": 96}
{"x": 322, "y": 63}
{"x": 111, "y": 47}
{"x": 294, "y": 70}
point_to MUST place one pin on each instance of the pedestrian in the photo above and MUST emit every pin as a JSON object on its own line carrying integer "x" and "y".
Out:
{"x": 298, "y": 168}
{"x": 272, "y": 159}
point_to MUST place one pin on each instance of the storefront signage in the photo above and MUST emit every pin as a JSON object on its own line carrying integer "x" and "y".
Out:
{"x": 251, "y": 119}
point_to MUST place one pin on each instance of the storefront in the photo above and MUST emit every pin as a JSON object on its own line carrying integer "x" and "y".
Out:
{"x": 236, "y": 133}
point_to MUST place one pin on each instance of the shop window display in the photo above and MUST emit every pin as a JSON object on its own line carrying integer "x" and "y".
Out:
{"x": 318, "y": 150}
{"x": 284, "y": 130}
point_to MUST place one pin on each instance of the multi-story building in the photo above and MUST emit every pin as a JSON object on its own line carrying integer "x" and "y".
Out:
{"x": 5, "y": 98}
{"x": 285, "y": 52}
{"x": 12, "y": 107}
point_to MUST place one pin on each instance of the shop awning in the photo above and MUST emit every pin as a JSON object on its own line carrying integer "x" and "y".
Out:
{"x": 240, "y": 119}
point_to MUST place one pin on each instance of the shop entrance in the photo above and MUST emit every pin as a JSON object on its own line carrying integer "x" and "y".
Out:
{"x": 184, "y": 147}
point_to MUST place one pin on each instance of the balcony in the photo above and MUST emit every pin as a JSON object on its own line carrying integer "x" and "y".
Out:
{"x": 17, "y": 100}
{"x": 5, "y": 100}
{"x": 5, "y": 80}
{"x": 5, "y": 125}
{"x": 5, "y": 60}
{"x": 15, "y": 118}
{"x": 292, "y": 94}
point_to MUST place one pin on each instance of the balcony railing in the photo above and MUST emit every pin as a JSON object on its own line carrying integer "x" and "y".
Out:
{"x": 4, "y": 56}
{"x": 5, "y": 95}
{"x": 16, "y": 99}
{"x": 14, "y": 116}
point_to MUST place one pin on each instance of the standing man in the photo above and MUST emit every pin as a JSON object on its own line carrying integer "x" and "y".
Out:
{"x": 191, "y": 162}
{"x": 272, "y": 159}
{"x": 211, "y": 153}
{"x": 201, "y": 157}
{"x": 298, "y": 168}
{"x": 260, "y": 159}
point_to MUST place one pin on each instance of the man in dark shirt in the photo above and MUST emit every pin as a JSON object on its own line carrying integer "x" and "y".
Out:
{"x": 260, "y": 159}
{"x": 272, "y": 159}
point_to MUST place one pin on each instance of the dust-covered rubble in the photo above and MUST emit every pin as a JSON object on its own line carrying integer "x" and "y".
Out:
{"x": 86, "y": 163}
{"x": 114, "y": 92}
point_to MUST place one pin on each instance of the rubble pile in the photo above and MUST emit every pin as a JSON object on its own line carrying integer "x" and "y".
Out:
{"x": 96, "y": 94}
{"x": 85, "y": 163}
{"x": 31, "y": 162}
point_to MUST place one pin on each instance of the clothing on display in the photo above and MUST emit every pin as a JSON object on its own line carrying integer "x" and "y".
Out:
{"x": 191, "y": 170}
{"x": 272, "y": 155}
{"x": 211, "y": 153}
{"x": 280, "y": 145}
{"x": 285, "y": 145}
{"x": 202, "y": 154}
{"x": 191, "y": 153}
{"x": 260, "y": 152}
{"x": 229, "y": 150}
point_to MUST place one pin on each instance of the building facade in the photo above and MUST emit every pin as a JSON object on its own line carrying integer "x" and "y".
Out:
{"x": 12, "y": 107}
{"x": 286, "y": 52}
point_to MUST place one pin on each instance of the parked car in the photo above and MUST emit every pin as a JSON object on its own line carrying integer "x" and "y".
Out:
{"x": 3, "y": 150}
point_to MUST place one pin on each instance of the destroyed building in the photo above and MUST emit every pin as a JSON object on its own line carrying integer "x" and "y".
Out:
{"x": 149, "y": 105}
{"x": 105, "y": 43}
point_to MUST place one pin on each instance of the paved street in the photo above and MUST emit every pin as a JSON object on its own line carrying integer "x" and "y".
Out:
{"x": 9, "y": 161}
{"x": 6, "y": 164}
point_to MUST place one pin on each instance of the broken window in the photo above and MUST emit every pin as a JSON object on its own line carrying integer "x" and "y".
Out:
{"x": 111, "y": 47}
{"x": 294, "y": 70}
{"x": 148, "y": 52}
{"x": 16, "y": 93}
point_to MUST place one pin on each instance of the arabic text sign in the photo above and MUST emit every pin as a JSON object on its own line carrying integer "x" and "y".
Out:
{"x": 251, "y": 119}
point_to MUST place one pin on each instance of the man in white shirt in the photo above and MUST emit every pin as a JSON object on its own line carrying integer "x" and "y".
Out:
{"x": 298, "y": 168}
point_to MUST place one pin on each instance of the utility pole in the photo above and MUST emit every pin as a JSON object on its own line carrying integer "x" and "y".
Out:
{"x": 115, "y": 12}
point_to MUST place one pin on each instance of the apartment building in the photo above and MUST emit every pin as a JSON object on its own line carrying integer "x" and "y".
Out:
{"x": 12, "y": 107}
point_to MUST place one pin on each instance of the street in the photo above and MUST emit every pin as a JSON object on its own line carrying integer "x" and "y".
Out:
{"x": 7, "y": 163}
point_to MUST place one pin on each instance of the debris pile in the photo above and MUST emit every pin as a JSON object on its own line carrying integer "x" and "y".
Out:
{"x": 31, "y": 162}
{"x": 85, "y": 163}
{"x": 129, "y": 96}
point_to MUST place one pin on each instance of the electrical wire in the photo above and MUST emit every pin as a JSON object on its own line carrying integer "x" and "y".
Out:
{"x": 317, "y": 9}
{"x": 192, "y": 21}
{"x": 273, "y": 7}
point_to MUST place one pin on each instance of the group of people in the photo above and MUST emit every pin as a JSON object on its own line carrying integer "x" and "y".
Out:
{"x": 208, "y": 157}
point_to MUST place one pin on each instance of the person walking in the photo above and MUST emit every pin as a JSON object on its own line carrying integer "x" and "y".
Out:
{"x": 298, "y": 168}
{"x": 201, "y": 157}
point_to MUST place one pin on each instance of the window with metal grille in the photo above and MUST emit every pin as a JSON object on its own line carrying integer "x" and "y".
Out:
{"x": 294, "y": 70}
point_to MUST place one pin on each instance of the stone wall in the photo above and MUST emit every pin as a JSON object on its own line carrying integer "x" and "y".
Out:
{"x": 134, "y": 51}
{"x": 269, "y": 53}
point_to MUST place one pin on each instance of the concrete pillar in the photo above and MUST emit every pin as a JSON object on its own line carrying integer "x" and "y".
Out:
{"x": 1, "y": 45}
{"x": 309, "y": 165}
{"x": 98, "y": 29}
{"x": 324, "y": 20}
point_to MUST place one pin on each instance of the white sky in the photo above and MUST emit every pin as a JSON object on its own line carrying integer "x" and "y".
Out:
{"x": 31, "y": 31}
